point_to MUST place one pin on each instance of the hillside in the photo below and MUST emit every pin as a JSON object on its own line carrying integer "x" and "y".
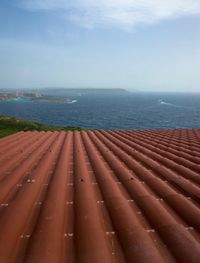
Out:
{"x": 10, "y": 125}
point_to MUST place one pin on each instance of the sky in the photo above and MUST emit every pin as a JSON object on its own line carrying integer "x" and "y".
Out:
{"x": 141, "y": 45}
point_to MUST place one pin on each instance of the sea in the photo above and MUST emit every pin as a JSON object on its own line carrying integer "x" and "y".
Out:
{"x": 131, "y": 111}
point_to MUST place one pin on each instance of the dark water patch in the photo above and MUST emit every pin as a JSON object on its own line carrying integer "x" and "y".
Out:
{"x": 135, "y": 111}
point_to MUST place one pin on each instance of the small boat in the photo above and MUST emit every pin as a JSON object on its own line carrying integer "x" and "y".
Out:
{"x": 160, "y": 101}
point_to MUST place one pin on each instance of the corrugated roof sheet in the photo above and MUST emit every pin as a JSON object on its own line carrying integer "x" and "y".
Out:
{"x": 100, "y": 196}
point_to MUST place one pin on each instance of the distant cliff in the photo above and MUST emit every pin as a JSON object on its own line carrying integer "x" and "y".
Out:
{"x": 83, "y": 91}
{"x": 65, "y": 92}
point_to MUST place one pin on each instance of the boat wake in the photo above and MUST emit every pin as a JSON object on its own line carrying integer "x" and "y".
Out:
{"x": 162, "y": 102}
{"x": 71, "y": 102}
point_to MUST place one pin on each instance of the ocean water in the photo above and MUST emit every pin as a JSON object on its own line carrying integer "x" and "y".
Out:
{"x": 132, "y": 111}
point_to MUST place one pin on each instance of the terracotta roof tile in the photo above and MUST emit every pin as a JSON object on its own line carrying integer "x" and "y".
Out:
{"x": 100, "y": 196}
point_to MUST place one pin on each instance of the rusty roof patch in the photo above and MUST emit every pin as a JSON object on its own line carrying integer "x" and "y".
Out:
{"x": 100, "y": 196}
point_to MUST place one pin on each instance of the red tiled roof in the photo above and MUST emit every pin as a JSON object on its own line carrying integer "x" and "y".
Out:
{"x": 100, "y": 196}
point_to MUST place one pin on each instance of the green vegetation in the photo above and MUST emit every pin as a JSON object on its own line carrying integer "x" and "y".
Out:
{"x": 10, "y": 125}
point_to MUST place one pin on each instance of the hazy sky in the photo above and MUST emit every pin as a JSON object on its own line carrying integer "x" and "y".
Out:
{"x": 134, "y": 44}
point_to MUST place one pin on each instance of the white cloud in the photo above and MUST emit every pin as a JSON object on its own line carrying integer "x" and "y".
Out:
{"x": 118, "y": 13}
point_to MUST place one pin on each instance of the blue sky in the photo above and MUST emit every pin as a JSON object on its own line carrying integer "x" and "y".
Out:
{"x": 134, "y": 44}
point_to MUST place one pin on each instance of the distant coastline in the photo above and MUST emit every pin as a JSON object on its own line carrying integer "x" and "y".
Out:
{"x": 55, "y": 95}
{"x": 31, "y": 97}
